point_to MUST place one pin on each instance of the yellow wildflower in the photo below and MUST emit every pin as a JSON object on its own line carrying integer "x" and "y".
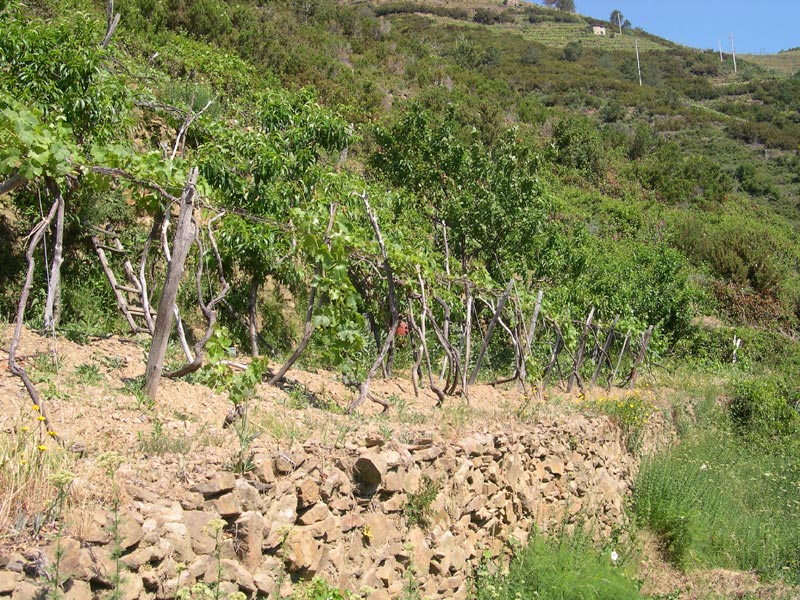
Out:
{"x": 40, "y": 418}
{"x": 36, "y": 407}
{"x": 51, "y": 433}
{"x": 41, "y": 447}
{"x": 25, "y": 429}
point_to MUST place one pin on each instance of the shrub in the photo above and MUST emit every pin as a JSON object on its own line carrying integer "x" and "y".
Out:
{"x": 766, "y": 409}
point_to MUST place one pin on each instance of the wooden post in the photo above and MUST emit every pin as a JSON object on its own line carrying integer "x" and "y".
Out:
{"x": 166, "y": 304}
{"x": 604, "y": 352}
{"x": 468, "y": 336}
{"x": 485, "y": 345}
{"x": 640, "y": 356}
{"x": 363, "y": 393}
{"x": 51, "y": 310}
{"x": 534, "y": 319}
{"x": 575, "y": 376}
{"x": 619, "y": 360}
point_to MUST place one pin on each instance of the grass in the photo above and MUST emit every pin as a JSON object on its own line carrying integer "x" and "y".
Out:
{"x": 566, "y": 567}
{"x": 717, "y": 502}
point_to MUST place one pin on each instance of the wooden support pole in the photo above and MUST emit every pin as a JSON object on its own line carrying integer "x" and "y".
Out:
{"x": 485, "y": 345}
{"x": 640, "y": 356}
{"x": 576, "y": 366}
{"x": 604, "y": 352}
{"x": 166, "y": 304}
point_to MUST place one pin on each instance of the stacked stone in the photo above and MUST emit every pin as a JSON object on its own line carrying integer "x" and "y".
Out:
{"x": 343, "y": 515}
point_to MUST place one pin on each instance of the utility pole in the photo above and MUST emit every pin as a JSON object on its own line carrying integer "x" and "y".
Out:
{"x": 638, "y": 64}
{"x": 720, "y": 50}
{"x": 619, "y": 21}
{"x": 733, "y": 51}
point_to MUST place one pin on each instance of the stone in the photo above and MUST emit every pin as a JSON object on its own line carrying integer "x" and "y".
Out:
{"x": 192, "y": 501}
{"x": 247, "y": 495}
{"x": 215, "y": 486}
{"x": 249, "y": 531}
{"x": 308, "y": 492}
{"x": 368, "y": 472}
{"x": 28, "y": 591}
{"x": 196, "y": 522}
{"x": 396, "y": 503}
{"x": 92, "y": 525}
{"x": 376, "y": 529}
{"x": 79, "y": 590}
{"x": 142, "y": 495}
{"x": 232, "y": 571}
{"x": 9, "y": 581}
{"x": 264, "y": 470}
{"x": 304, "y": 553}
{"x": 352, "y": 521}
{"x": 129, "y": 532}
{"x": 142, "y": 556}
{"x": 284, "y": 464}
{"x": 133, "y": 586}
{"x": 227, "y": 505}
{"x": 282, "y": 511}
{"x": 315, "y": 514}
{"x": 265, "y": 581}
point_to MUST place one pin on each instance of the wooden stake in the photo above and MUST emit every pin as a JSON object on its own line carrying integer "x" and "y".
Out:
{"x": 485, "y": 345}
{"x": 180, "y": 250}
{"x": 604, "y": 352}
{"x": 575, "y": 375}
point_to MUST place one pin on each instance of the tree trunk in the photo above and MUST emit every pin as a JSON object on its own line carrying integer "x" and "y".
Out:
{"x": 51, "y": 307}
{"x": 166, "y": 304}
{"x": 253, "y": 316}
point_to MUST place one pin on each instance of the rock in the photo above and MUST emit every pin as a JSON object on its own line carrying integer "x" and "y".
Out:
{"x": 247, "y": 495}
{"x": 284, "y": 464}
{"x": 304, "y": 553}
{"x": 132, "y": 587}
{"x": 264, "y": 470}
{"x": 249, "y": 531}
{"x": 352, "y": 521}
{"x": 79, "y": 590}
{"x": 227, "y": 505}
{"x": 215, "y": 486}
{"x": 368, "y": 473}
{"x": 196, "y": 522}
{"x": 232, "y": 571}
{"x": 92, "y": 525}
{"x": 139, "y": 493}
{"x": 8, "y": 581}
{"x": 376, "y": 529}
{"x": 308, "y": 492}
{"x": 129, "y": 532}
{"x": 281, "y": 511}
{"x": 315, "y": 514}
{"x": 396, "y": 503}
{"x": 28, "y": 591}
{"x": 142, "y": 556}
{"x": 192, "y": 501}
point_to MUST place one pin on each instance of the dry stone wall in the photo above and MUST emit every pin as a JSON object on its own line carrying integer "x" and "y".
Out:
{"x": 361, "y": 516}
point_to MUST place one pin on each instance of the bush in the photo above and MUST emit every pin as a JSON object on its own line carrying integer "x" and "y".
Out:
{"x": 766, "y": 410}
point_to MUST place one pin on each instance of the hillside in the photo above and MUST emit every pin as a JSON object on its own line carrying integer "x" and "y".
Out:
{"x": 479, "y": 200}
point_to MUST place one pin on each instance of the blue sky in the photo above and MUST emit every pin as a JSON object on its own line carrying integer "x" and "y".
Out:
{"x": 757, "y": 26}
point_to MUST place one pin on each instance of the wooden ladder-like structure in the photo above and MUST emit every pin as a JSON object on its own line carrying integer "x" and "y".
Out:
{"x": 131, "y": 298}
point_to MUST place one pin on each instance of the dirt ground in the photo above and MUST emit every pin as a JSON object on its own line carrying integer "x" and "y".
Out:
{"x": 92, "y": 399}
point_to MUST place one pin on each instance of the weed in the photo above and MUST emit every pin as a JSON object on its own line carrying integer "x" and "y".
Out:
{"x": 242, "y": 461}
{"x": 158, "y": 442}
{"x": 566, "y": 567}
{"x": 417, "y": 509}
{"x": 135, "y": 387}
{"x": 88, "y": 374}
{"x": 319, "y": 589}
{"x": 28, "y": 460}
{"x": 715, "y": 502}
